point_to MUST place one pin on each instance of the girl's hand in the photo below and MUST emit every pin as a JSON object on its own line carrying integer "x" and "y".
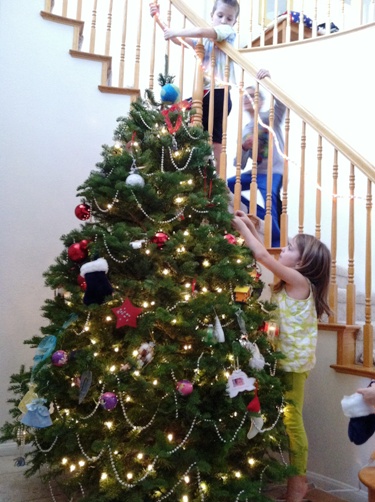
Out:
{"x": 246, "y": 219}
{"x": 368, "y": 394}
{"x": 247, "y": 143}
{"x": 239, "y": 224}
{"x": 262, "y": 73}
{"x": 154, "y": 9}
{"x": 169, "y": 33}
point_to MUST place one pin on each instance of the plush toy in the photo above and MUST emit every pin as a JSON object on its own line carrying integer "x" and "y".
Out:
{"x": 97, "y": 284}
{"x": 37, "y": 414}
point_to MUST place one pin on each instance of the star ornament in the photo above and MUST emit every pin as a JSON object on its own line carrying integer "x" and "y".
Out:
{"x": 127, "y": 314}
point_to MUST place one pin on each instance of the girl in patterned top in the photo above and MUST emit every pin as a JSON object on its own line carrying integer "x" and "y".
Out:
{"x": 301, "y": 296}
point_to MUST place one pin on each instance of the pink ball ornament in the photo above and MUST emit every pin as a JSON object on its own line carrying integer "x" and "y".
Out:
{"x": 59, "y": 358}
{"x": 184, "y": 387}
{"x": 83, "y": 212}
{"x": 230, "y": 238}
{"x": 108, "y": 400}
{"x": 160, "y": 238}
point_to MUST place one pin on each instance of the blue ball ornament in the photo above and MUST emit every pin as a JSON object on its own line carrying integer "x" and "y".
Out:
{"x": 170, "y": 94}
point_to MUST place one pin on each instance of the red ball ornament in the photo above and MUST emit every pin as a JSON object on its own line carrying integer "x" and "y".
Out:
{"x": 160, "y": 238}
{"x": 78, "y": 250}
{"x": 108, "y": 400}
{"x": 184, "y": 387}
{"x": 81, "y": 282}
{"x": 83, "y": 212}
{"x": 230, "y": 238}
{"x": 59, "y": 358}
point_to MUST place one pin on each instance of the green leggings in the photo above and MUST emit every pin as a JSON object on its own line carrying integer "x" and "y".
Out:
{"x": 293, "y": 420}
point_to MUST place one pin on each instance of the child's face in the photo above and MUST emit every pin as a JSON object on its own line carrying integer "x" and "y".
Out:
{"x": 290, "y": 255}
{"x": 224, "y": 14}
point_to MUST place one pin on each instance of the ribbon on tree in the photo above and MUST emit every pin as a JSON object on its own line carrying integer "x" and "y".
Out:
{"x": 172, "y": 129}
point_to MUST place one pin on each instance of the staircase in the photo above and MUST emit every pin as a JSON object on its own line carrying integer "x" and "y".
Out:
{"x": 324, "y": 161}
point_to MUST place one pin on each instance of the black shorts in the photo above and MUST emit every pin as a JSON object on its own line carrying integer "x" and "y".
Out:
{"x": 217, "y": 132}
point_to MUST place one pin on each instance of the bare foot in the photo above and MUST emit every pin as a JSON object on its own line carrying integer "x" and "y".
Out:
{"x": 297, "y": 489}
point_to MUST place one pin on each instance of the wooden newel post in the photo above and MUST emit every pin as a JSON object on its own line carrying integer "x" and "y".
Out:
{"x": 197, "y": 96}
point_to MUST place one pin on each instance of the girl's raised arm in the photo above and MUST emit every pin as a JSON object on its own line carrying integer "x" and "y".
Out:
{"x": 296, "y": 284}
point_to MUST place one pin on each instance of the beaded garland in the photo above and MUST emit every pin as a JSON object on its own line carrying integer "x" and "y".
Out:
{"x": 139, "y": 428}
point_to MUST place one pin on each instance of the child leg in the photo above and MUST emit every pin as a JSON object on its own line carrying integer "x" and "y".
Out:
{"x": 298, "y": 444}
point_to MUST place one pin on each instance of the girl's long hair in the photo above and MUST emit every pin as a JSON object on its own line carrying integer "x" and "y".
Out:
{"x": 315, "y": 265}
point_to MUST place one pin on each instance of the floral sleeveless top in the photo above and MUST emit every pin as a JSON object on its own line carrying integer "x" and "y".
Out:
{"x": 298, "y": 331}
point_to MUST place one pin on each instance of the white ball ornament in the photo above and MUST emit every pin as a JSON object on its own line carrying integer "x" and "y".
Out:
{"x": 135, "y": 179}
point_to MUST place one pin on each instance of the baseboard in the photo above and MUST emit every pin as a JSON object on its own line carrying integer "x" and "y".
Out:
{"x": 9, "y": 448}
{"x": 338, "y": 488}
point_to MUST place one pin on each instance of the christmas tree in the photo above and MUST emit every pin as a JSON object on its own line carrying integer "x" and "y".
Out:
{"x": 155, "y": 378}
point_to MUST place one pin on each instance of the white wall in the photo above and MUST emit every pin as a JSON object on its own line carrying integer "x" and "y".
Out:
{"x": 331, "y": 454}
{"x": 53, "y": 122}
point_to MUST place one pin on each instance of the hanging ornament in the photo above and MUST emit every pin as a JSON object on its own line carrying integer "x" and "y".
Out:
{"x": 81, "y": 282}
{"x": 28, "y": 397}
{"x": 254, "y": 405}
{"x": 45, "y": 349}
{"x": 20, "y": 461}
{"x": 256, "y": 273}
{"x": 172, "y": 129}
{"x": 84, "y": 385}
{"x": 59, "y": 358}
{"x": 160, "y": 238}
{"x": 174, "y": 143}
{"x": 97, "y": 284}
{"x": 145, "y": 354}
{"x": 184, "y": 387}
{"x": 238, "y": 381}
{"x": 108, "y": 400}
{"x": 230, "y": 238}
{"x": 83, "y": 212}
{"x": 170, "y": 94}
{"x": 37, "y": 414}
{"x": 127, "y": 314}
{"x": 60, "y": 291}
{"x": 134, "y": 178}
{"x": 256, "y": 361}
{"x": 218, "y": 331}
{"x": 271, "y": 328}
{"x": 255, "y": 427}
{"x": 78, "y": 251}
{"x": 209, "y": 336}
{"x": 242, "y": 293}
{"x": 132, "y": 143}
{"x": 137, "y": 244}
{"x": 256, "y": 422}
{"x": 241, "y": 321}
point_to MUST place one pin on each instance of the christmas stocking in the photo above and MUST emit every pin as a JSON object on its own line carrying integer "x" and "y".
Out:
{"x": 97, "y": 284}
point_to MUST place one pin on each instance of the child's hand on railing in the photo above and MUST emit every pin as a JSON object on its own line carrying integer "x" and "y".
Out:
{"x": 154, "y": 9}
{"x": 169, "y": 33}
{"x": 262, "y": 73}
